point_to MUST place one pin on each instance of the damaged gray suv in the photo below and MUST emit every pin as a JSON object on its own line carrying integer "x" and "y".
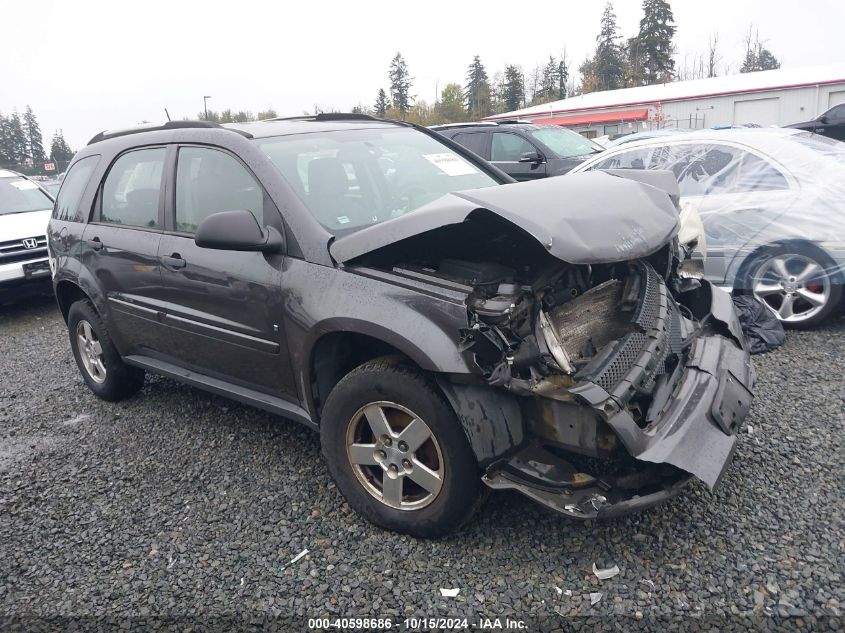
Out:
{"x": 444, "y": 329}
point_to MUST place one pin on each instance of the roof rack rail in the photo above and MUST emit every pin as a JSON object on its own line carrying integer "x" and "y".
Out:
{"x": 169, "y": 125}
{"x": 327, "y": 116}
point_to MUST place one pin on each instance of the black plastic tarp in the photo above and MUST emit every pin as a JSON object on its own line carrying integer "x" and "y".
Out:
{"x": 763, "y": 331}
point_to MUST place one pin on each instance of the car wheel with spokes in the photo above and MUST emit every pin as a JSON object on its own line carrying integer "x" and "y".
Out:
{"x": 98, "y": 360}
{"x": 397, "y": 451}
{"x": 797, "y": 284}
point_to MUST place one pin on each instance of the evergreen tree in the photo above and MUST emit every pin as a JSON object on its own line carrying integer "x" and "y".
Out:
{"x": 513, "y": 93}
{"x": 34, "y": 141}
{"x": 550, "y": 82}
{"x": 654, "y": 40}
{"x": 608, "y": 63}
{"x": 16, "y": 139}
{"x": 60, "y": 151}
{"x": 562, "y": 77}
{"x": 451, "y": 106}
{"x": 5, "y": 150}
{"x": 477, "y": 92}
{"x": 382, "y": 104}
{"x": 400, "y": 85}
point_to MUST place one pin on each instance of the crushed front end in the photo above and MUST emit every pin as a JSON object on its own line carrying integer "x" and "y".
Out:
{"x": 628, "y": 381}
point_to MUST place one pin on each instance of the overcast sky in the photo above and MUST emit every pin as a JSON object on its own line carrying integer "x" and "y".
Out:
{"x": 85, "y": 66}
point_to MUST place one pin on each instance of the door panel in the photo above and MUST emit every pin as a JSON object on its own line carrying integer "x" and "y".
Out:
{"x": 224, "y": 313}
{"x": 223, "y": 308}
{"x": 125, "y": 264}
{"x": 120, "y": 247}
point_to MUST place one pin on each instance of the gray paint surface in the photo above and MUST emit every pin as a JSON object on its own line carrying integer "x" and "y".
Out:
{"x": 581, "y": 219}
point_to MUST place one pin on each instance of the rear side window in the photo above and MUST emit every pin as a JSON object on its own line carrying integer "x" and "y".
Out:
{"x": 209, "y": 181}
{"x": 73, "y": 186}
{"x": 509, "y": 147}
{"x": 132, "y": 189}
{"x": 474, "y": 142}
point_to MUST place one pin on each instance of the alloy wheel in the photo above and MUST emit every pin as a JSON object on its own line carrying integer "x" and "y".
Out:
{"x": 795, "y": 287}
{"x": 394, "y": 455}
{"x": 90, "y": 351}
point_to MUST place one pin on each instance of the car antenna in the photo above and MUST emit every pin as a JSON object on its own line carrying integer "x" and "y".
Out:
{"x": 167, "y": 113}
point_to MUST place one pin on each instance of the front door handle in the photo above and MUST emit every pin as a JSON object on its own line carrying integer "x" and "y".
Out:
{"x": 95, "y": 243}
{"x": 173, "y": 261}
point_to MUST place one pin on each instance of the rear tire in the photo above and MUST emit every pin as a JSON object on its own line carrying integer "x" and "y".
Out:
{"x": 799, "y": 283}
{"x": 397, "y": 451}
{"x": 98, "y": 360}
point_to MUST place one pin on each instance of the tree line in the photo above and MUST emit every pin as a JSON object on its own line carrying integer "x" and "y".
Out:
{"x": 646, "y": 58}
{"x": 22, "y": 144}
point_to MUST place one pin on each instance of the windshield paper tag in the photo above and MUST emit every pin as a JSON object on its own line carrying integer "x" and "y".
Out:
{"x": 23, "y": 185}
{"x": 450, "y": 164}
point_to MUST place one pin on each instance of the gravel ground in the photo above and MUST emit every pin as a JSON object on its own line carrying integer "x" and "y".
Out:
{"x": 181, "y": 504}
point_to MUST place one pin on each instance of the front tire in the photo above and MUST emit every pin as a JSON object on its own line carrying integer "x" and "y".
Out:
{"x": 397, "y": 452}
{"x": 98, "y": 360}
{"x": 798, "y": 283}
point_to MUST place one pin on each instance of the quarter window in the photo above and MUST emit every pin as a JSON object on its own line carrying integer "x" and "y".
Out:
{"x": 73, "y": 186}
{"x": 132, "y": 188}
{"x": 209, "y": 181}
{"x": 509, "y": 147}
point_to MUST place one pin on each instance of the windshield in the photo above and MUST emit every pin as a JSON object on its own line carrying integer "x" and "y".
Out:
{"x": 565, "y": 143}
{"x": 350, "y": 179}
{"x": 19, "y": 195}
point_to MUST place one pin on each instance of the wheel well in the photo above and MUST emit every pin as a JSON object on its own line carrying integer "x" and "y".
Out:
{"x": 338, "y": 353}
{"x": 68, "y": 293}
{"x": 741, "y": 277}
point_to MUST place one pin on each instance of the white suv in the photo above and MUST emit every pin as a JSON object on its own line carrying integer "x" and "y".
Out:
{"x": 24, "y": 213}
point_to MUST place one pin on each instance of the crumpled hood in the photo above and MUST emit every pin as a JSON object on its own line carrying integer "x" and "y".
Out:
{"x": 584, "y": 218}
{"x": 18, "y": 226}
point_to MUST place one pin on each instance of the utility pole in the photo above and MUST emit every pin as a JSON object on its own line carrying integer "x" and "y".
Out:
{"x": 205, "y": 105}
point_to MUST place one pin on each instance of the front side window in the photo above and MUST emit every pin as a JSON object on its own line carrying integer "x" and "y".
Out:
{"x": 73, "y": 186}
{"x": 131, "y": 191}
{"x": 209, "y": 181}
{"x": 19, "y": 195}
{"x": 565, "y": 143}
{"x": 350, "y": 179}
{"x": 508, "y": 147}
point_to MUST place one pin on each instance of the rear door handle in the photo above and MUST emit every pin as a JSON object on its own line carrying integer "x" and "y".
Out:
{"x": 95, "y": 243}
{"x": 173, "y": 261}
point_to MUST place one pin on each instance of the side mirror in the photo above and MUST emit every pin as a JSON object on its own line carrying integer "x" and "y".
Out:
{"x": 238, "y": 231}
{"x": 824, "y": 119}
{"x": 531, "y": 157}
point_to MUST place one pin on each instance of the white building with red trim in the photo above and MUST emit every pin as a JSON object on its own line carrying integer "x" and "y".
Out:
{"x": 771, "y": 97}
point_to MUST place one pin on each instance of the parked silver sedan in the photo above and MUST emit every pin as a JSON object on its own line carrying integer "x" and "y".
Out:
{"x": 772, "y": 202}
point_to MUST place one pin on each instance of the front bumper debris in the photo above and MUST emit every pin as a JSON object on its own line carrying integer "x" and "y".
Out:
{"x": 689, "y": 428}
